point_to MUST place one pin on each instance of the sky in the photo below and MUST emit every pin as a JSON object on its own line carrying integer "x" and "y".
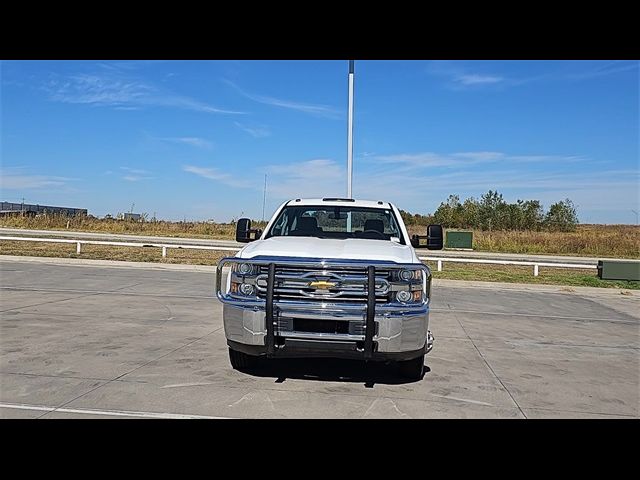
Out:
{"x": 194, "y": 139}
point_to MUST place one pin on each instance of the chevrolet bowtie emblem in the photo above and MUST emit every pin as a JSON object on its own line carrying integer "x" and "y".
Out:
{"x": 322, "y": 285}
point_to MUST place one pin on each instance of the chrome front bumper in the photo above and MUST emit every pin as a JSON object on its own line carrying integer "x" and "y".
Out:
{"x": 396, "y": 331}
{"x": 389, "y": 328}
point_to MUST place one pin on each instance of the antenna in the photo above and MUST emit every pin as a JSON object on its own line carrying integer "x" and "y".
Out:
{"x": 264, "y": 195}
{"x": 350, "y": 132}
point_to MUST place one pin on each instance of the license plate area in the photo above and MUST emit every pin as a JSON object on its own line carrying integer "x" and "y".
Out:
{"x": 307, "y": 325}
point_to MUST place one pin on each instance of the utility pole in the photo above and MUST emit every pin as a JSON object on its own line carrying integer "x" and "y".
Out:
{"x": 264, "y": 195}
{"x": 350, "y": 132}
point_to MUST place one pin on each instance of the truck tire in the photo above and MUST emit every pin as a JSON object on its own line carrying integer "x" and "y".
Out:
{"x": 413, "y": 368}
{"x": 241, "y": 361}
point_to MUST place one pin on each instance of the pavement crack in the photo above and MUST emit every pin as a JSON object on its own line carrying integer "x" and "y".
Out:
{"x": 65, "y": 299}
{"x": 486, "y": 362}
{"x": 131, "y": 371}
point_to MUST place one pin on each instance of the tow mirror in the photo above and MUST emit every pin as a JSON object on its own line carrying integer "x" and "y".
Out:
{"x": 244, "y": 231}
{"x": 434, "y": 238}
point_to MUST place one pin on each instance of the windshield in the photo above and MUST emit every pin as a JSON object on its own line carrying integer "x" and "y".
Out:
{"x": 339, "y": 222}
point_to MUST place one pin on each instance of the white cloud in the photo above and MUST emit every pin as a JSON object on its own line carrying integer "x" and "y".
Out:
{"x": 135, "y": 174}
{"x": 19, "y": 178}
{"x": 121, "y": 92}
{"x": 313, "y": 109}
{"x": 215, "y": 174}
{"x": 9, "y": 181}
{"x": 476, "y": 79}
{"x": 191, "y": 141}
{"x": 459, "y": 159}
{"x": 135, "y": 170}
{"x": 609, "y": 68}
{"x": 311, "y": 178}
{"x": 459, "y": 77}
{"x": 254, "y": 131}
{"x": 601, "y": 196}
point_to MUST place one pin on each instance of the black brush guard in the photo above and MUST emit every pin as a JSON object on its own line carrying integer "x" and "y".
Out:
{"x": 370, "y": 312}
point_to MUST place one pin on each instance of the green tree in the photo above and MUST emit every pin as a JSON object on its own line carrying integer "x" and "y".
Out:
{"x": 492, "y": 211}
{"x": 449, "y": 213}
{"x": 407, "y": 218}
{"x": 532, "y": 215}
{"x": 561, "y": 216}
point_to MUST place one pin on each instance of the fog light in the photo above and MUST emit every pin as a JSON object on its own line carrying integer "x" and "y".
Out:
{"x": 403, "y": 296}
{"x": 246, "y": 289}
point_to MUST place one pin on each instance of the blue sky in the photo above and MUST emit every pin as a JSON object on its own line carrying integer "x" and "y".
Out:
{"x": 194, "y": 139}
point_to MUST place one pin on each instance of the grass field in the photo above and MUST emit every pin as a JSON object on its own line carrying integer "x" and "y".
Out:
{"x": 455, "y": 271}
{"x": 621, "y": 241}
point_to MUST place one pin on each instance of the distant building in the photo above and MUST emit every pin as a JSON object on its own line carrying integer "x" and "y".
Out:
{"x": 132, "y": 216}
{"x": 9, "y": 208}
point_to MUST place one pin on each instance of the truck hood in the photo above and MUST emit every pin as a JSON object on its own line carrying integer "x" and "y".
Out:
{"x": 310, "y": 247}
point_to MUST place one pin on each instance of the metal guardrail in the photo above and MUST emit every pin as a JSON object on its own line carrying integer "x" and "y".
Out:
{"x": 536, "y": 265}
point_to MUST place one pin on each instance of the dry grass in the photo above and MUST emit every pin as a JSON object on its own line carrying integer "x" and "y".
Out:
{"x": 620, "y": 241}
{"x": 456, "y": 271}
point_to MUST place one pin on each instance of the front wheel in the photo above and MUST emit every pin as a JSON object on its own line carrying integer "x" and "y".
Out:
{"x": 241, "y": 361}
{"x": 413, "y": 368}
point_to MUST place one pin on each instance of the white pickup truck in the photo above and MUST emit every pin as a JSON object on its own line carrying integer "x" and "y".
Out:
{"x": 329, "y": 277}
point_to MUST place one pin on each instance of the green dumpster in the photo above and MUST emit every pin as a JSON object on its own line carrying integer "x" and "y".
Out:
{"x": 455, "y": 239}
{"x": 619, "y": 270}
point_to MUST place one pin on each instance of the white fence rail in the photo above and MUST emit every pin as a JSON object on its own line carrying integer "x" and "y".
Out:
{"x": 536, "y": 265}
{"x": 165, "y": 246}
{"x": 79, "y": 244}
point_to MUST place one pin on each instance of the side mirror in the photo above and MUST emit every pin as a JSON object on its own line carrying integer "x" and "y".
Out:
{"x": 244, "y": 231}
{"x": 434, "y": 237}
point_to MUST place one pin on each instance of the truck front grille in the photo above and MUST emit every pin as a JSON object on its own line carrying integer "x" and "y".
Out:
{"x": 334, "y": 285}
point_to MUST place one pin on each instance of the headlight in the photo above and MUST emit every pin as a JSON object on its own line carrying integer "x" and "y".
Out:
{"x": 405, "y": 275}
{"x": 408, "y": 275}
{"x": 244, "y": 268}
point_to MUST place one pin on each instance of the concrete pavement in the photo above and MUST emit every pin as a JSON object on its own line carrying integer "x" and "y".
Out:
{"x": 100, "y": 342}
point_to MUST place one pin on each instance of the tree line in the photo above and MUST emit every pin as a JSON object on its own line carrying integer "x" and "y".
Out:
{"x": 492, "y": 212}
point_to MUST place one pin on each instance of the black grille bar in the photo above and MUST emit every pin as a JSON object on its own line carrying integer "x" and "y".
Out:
{"x": 371, "y": 312}
{"x": 271, "y": 278}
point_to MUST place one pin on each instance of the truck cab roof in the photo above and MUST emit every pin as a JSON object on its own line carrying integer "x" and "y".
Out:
{"x": 333, "y": 201}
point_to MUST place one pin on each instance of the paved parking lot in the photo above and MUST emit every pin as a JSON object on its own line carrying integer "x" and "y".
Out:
{"x": 98, "y": 342}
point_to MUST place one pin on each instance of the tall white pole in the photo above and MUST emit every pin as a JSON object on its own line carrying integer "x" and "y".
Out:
{"x": 350, "y": 133}
{"x": 264, "y": 195}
